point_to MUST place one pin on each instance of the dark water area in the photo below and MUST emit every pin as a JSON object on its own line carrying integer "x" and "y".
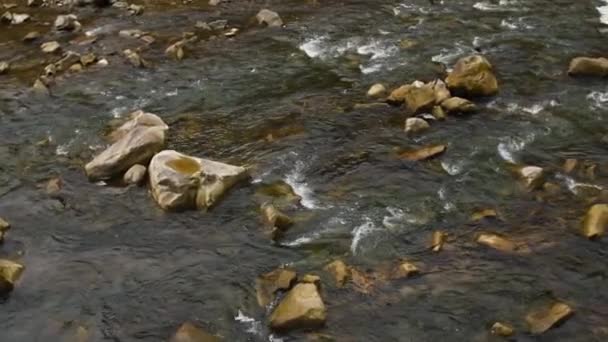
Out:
{"x": 108, "y": 259}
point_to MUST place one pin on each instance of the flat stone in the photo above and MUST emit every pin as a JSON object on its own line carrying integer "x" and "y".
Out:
{"x": 189, "y": 332}
{"x": 340, "y": 272}
{"x": 50, "y": 47}
{"x": 496, "y": 242}
{"x": 423, "y": 153}
{"x": 10, "y": 270}
{"x": 542, "y": 320}
{"x": 302, "y": 308}
{"x": 458, "y": 105}
{"x": 502, "y": 329}
{"x": 586, "y": 66}
{"x": 596, "y": 221}
{"x": 269, "y": 284}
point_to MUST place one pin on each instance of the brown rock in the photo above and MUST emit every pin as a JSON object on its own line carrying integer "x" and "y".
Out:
{"x": 415, "y": 125}
{"x": 570, "y": 165}
{"x": 483, "y": 213}
{"x": 497, "y": 242}
{"x": 188, "y": 332}
{"x": 501, "y": 329}
{"x": 405, "y": 270}
{"x": 31, "y": 36}
{"x": 312, "y": 279}
{"x": 473, "y": 76}
{"x": 439, "y": 113}
{"x": 54, "y": 186}
{"x": 269, "y": 18}
{"x": 267, "y": 285}
{"x": 543, "y": 320}
{"x": 424, "y": 153}
{"x": 532, "y": 177}
{"x": 362, "y": 282}
{"x": 437, "y": 240}
{"x": 596, "y": 221}
{"x": 88, "y": 59}
{"x": 458, "y": 105}
{"x": 10, "y": 270}
{"x": 340, "y": 272}
{"x": 586, "y": 66}
{"x": 420, "y": 99}
{"x": 302, "y": 308}
{"x": 276, "y": 220}
{"x": 398, "y": 95}
{"x": 50, "y": 47}
{"x": 135, "y": 175}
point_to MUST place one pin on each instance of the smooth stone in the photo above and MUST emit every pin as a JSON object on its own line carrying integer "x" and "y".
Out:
{"x": 267, "y": 285}
{"x": 532, "y": 177}
{"x": 501, "y": 329}
{"x": 269, "y": 18}
{"x": 423, "y": 153}
{"x": 438, "y": 240}
{"x": 67, "y": 22}
{"x": 88, "y": 59}
{"x": 542, "y": 320}
{"x": 4, "y": 67}
{"x": 40, "y": 87}
{"x": 188, "y": 332}
{"x": 596, "y": 221}
{"x": 472, "y": 76}
{"x": 570, "y": 164}
{"x": 404, "y": 270}
{"x": 135, "y": 9}
{"x": 458, "y": 105}
{"x": 586, "y": 66}
{"x": 31, "y": 36}
{"x": 496, "y": 242}
{"x": 50, "y": 47}
{"x": 54, "y": 186}
{"x": 180, "y": 182}
{"x": 138, "y": 118}
{"x": 339, "y": 271}
{"x": 276, "y": 220}
{"x": 415, "y": 125}
{"x": 176, "y": 51}
{"x": 77, "y": 67}
{"x": 135, "y": 175}
{"x": 10, "y": 270}
{"x": 302, "y": 308}
{"x": 376, "y": 91}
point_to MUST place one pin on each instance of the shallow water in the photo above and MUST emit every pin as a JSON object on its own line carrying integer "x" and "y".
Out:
{"x": 109, "y": 259}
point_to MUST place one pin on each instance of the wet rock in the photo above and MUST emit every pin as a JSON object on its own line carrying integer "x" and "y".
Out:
{"x": 441, "y": 91}
{"x": 218, "y": 25}
{"x": 570, "y": 165}
{"x": 135, "y": 9}
{"x": 77, "y": 67}
{"x": 214, "y": 2}
{"x": 397, "y": 96}
{"x": 232, "y": 32}
{"x": 4, "y": 66}
{"x": 34, "y": 3}
{"x": 269, "y": 284}
{"x": 132, "y": 33}
{"x": 543, "y": 320}
{"x": 40, "y": 87}
{"x": 188, "y": 332}
{"x": 135, "y": 175}
{"x": 312, "y": 279}
{"x": 404, "y": 270}
{"x": 138, "y": 118}
{"x": 67, "y": 22}
{"x": 339, "y": 271}
{"x": 532, "y": 177}
{"x": 136, "y": 146}
{"x": 102, "y": 62}
{"x": 501, "y": 329}
{"x": 50, "y": 47}
{"x": 181, "y": 182}
{"x": 586, "y": 66}
{"x": 88, "y": 59}
{"x": 437, "y": 240}
{"x": 458, "y": 105}
{"x": 69, "y": 58}
{"x": 472, "y": 76}
{"x": 302, "y": 308}
{"x": 53, "y": 186}
{"x": 415, "y": 125}
{"x": 4, "y": 227}
{"x": 269, "y": 18}
{"x": 30, "y": 37}
{"x": 483, "y": 213}
{"x": 596, "y": 221}
{"x": 419, "y": 99}
{"x": 424, "y": 153}
{"x": 279, "y": 190}
{"x": 176, "y": 51}
{"x": 377, "y": 91}
{"x": 496, "y": 242}
{"x": 135, "y": 59}
{"x": 439, "y": 113}
{"x": 14, "y": 18}
{"x": 276, "y": 220}
{"x": 10, "y": 270}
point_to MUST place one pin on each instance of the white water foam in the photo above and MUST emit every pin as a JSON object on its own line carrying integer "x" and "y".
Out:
{"x": 503, "y": 5}
{"x": 511, "y": 145}
{"x": 598, "y": 99}
{"x": 603, "y": 12}
{"x": 447, "y": 204}
{"x": 573, "y": 186}
{"x": 295, "y": 179}
{"x": 360, "y": 232}
{"x": 253, "y": 326}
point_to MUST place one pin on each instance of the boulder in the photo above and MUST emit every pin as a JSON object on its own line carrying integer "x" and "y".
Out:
{"x": 377, "y": 90}
{"x": 180, "y": 182}
{"x": 423, "y": 153}
{"x": 501, "y": 329}
{"x": 277, "y": 221}
{"x": 302, "y": 308}
{"x": 269, "y": 284}
{"x": 137, "y": 144}
{"x": 544, "y": 319}
{"x": 596, "y": 221}
{"x": 189, "y": 332}
{"x": 10, "y": 270}
{"x": 420, "y": 99}
{"x": 458, "y": 105}
{"x": 472, "y": 76}
{"x": 496, "y": 242}
{"x": 405, "y": 269}
{"x": 585, "y": 66}
{"x": 135, "y": 175}
{"x": 339, "y": 271}
{"x": 269, "y": 18}
{"x": 415, "y": 125}
{"x": 138, "y": 118}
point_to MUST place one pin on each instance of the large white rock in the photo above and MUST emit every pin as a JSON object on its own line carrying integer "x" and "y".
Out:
{"x": 135, "y": 142}
{"x": 180, "y": 182}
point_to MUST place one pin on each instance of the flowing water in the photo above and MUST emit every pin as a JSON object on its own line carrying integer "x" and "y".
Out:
{"x": 107, "y": 258}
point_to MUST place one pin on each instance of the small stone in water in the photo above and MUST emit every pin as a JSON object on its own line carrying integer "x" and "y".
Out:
{"x": 232, "y": 32}
{"x": 482, "y": 214}
{"x": 31, "y": 36}
{"x": 276, "y": 220}
{"x": 136, "y": 9}
{"x": 135, "y": 175}
{"x": 68, "y": 22}
{"x": 54, "y": 186}
{"x": 497, "y": 242}
{"x": 218, "y": 24}
{"x": 501, "y": 329}
{"x": 269, "y": 18}
{"x": 543, "y": 320}
{"x": 439, "y": 113}
{"x": 415, "y": 125}
{"x": 188, "y": 332}
{"x": 40, "y": 87}
{"x": 19, "y": 18}
{"x": 10, "y": 270}
{"x": 50, "y": 47}
{"x": 76, "y": 67}
{"x": 268, "y": 284}
{"x": 4, "y": 66}
{"x": 378, "y": 90}
{"x": 570, "y": 165}
{"x": 302, "y": 308}
{"x": 340, "y": 272}
{"x": 135, "y": 59}
{"x": 405, "y": 270}
{"x": 88, "y": 59}
{"x": 423, "y": 153}
{"x": 4, "y": 225}
{"x": 437, "y": 240}
{"x": 596, "y": 221}
{"x": 312, "y": 279}
{"x": 532, "y": 177}
{"x": 458, "y": 105}
{"x": 214, "y": 2}
{"x": 103, "y": 62}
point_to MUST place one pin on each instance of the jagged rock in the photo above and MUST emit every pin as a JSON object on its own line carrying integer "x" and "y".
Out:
{"x": 340, "y": 272}
{"x": 277, "y": 221}
{"x": 4, "y": 66}
{"x": 458, "y": 105}
{"x": 472, "y": 76}
{"x": 269, "y": 18}
{"x": 415, "y": 125}
{"x": 496, "y": 242}
{"x": 67, "y": 22}
{"x": 50, "y": 47}
{"x": 31, "y": 36}
{"x": 586, "y": 66}
{"x": 302, "y": 308}
{"x": 181, "y": 182}
{"x": 10, "y": 270}
{"x": 188, "y": 332}
{"x": 532, "y": 177}
{"x": 596, "y": 221}
{"x": 135, "y": 175}
{"x": 267, "y": 285}
{"x": 423, "y": 153}
{"x": 405, "y": 269}
{"x": 501, "y": 329}
{"x": 543, "y": 320}
{"x": 437, "y": 240}
{"x": 377, "y": 90}
{"x": 137, "y": 143}
{"x": 420, "y": 99}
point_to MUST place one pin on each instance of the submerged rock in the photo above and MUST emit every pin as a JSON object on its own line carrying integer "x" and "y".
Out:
{"x": 267, "y": 285}
{"x": 340, "y": 272}
{"x": 189, "y": 332}
{"x": 269, "y": 18}
{"x": 596, "y": 221}
{"x": 423, "y": 153}
{"x": 570, "y": 164}
{"x": 458, "y": 105}
{"x": 473, "y": 76}
{"x": 415, "y": 125}
{"x": 279, "y": 190}
{"x": 10, "y": 270}
{"x": 276, "y": 220}
{"x": 543, "y": 320}
{"x": 40, "y": 87}
{"x": 136, "y": 144}
{"x": 180, "y": 182}
{"x": 496, "y": 242}
{"x": 135, "y": 175}
{"x": 586, "y": 66}
{"x": 176, "y": 51}
{"x": 377, "y": 90}
{"x": 501, "y": 329}
{"x": 302, "y": 308}
{"x": 441, "y": 91}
